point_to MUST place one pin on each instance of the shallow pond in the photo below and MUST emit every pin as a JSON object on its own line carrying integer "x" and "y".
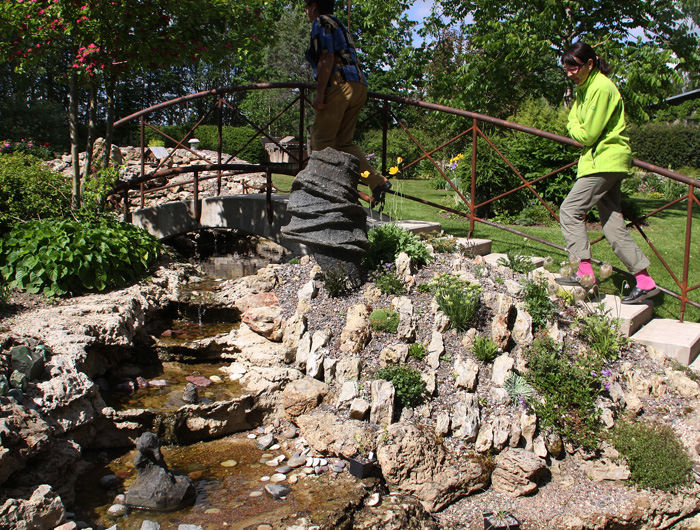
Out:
{"x": 230, "y": 494}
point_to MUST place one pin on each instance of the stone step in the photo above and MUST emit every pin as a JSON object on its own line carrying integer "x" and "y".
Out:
{"x": 492, "y": 259}
{"x": 677, "y": 340}
{"x": 631, "y": 316}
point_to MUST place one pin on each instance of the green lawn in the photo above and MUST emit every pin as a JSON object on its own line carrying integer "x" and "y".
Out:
{"x": 665, "y": 230}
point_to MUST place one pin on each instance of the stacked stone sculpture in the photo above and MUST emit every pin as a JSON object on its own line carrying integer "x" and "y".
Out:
{"x": 326, "y": 214}
{"x": 155, "y": 487}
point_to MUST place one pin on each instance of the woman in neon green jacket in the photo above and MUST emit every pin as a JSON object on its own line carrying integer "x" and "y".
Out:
{"x": 597, "y": 120}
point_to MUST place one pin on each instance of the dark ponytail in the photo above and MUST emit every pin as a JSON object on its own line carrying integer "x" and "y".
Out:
{"x": 579, "y": 53}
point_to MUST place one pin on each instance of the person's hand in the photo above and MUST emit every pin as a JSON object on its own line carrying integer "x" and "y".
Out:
{"x": 318, "y": 102}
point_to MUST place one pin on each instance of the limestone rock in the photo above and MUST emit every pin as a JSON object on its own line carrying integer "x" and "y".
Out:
{"x": 467, "y": 373}
{"x": 466, "y": 417}
{"x": 517, "y": 471}
{"x": 328, "y": 434}
{"x": 436, "y": 349}
{"x": 394, "y": 354}
{"x": 302, "y": 395}
{"x": 417, "y": 465}
{"x": 522, "y": 328}
{"x": 500, "y": 334}
{"x": 502, "y": 368}
{"x": 43, "y": 509}
{"x": 383, "y": 396}
{"x": 359, "y": 408}
{"x": 349, "y": 369}
{"x": 357, "y": 332}
{"x": 267, "y": 321}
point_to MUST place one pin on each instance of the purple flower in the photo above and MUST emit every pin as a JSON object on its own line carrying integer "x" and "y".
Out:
{"x": 453, "y": 166}
{"x": 593, "y": 373}
{"x": 606, "y": 373}
{"x": 523, "y": 403}
{"x": 607, "y": 386}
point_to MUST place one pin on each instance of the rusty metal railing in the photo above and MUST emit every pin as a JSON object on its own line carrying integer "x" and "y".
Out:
{"x": 476, "y": 131}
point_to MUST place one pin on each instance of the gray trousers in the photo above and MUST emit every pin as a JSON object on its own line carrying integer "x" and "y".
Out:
{"x": 603, "y": 190}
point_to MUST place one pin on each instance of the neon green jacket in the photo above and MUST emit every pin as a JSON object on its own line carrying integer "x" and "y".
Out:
{"x": 597, "y": 120}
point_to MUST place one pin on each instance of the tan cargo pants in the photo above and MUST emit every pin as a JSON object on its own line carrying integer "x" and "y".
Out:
{"x": 334, "y": 126}
{"x": 602, "y": 190}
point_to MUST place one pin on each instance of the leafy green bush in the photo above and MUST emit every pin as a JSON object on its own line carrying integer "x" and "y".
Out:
{"x": 458, "y": 299}
{"x": 537, "y": 302}
{"x": 484, "y": 349}
{"x": 654, "y": 454}
{"x": 517, "y": 387}
{"x": 407, "y": 381}
{"x": 28, "y": 147}
{"x": 387, "y": 281}
{"x": 568, "y": 385}
{"x": 30, "y": 190}
{"x": 66, "y": 256}
{"x": 387, "y": 241}
{"x": 385, "y": 320}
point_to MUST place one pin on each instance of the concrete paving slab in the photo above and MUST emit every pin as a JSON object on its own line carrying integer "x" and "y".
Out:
{"x": 492, "y": 259}
{"x": 476, "y": 247}
{"x": 678, "y": 340}
{"x": 631, "y": 316}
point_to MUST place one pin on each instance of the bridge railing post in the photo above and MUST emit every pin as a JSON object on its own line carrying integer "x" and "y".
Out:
{"x": 385, "y": 132}
{"x": 197, "y": 205}
{"x": 220, "y": 141}
{"x": 302, "y": 110}
{"x": 472, "y": 198}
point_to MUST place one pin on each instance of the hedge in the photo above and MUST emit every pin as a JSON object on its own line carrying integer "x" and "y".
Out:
{"x": 668, "y": 146}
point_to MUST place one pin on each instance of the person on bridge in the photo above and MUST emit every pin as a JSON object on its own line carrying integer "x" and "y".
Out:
{"x": 341, "y": 91}
{"x": 597, "y": 120}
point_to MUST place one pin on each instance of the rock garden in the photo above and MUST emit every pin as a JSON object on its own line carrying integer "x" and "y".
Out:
{"x": 440, "y": 390}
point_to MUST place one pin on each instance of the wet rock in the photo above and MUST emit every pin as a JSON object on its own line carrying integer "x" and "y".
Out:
{"x": 19, "y": 380}
{"x": 118, "y": 510}
{"x": 29, "y": 362}
{"x": 150, "y": 525}
{"x": 413, "y": 463}
{"x": 43, "y": 509}
{"x": 303, "y": 395}
{"x": 110, "y": 481}
{"x": 277, "y": 491}
{"x": 24, "y": 435}
{"x": 190, "y": 393}
{"x": 265, "y": 442}
{"x": 156, "y": 488}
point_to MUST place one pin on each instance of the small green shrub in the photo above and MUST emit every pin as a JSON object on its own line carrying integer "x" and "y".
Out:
{"x": 407, "y": 381}
{"x": 442, "y": 245}
{"x": 458, "y": 299}
{"x": 387, "y": 241}
{"x": 59, "y": 257}
{"x": 387, "y": 280}
{"x": 654, "y": 454}
{"x": 568, "y": 385}
{"x": 516, "y": 262}
{"x": 602, "y": 333}
{"x": 417, "y": 351}
{"x": 537, "y": 302}
{"x": 484, "y": 349}
{"x": 385, "y": 320}
{"x": 30, "y": 190}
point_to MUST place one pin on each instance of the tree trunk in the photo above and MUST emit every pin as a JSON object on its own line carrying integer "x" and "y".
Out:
{"x": 74, "y": 148}
{"x": 110, "y": 124}
{"x": 92, "y": 113}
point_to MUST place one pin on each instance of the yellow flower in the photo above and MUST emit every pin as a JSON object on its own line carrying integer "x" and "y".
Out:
{"x": 365, "y": 174}
{"x": 399, "y": 160}
{"x": 393, "y": 170}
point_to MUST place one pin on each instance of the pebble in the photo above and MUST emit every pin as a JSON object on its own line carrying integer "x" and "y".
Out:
{"x": 261, "y": 430}
{"x": 150, "y": 525}
{"x": 293, "y": 479}
{"x": 283, "y": 469}
{"x": 265, "y": 442}
{"x": 252, "y": 436}
{"x": 373, "y": 500}
{"x": 277, "y": 491}
{"x": 290, "y": 433}
{"x": 118, "y": 510}
{"x": 189, "y": 527}
{"x": 297, "y": 461}
{"x": 216, "y": 379}
{"x": 119, "y": 499}
{"x": 276, "y": 423}
{"x": 256, "y": 494}
{"x": 264, "y": 527}
{"x": 229, "y": 463}
{"x": 110, "y": 481}
{"x": 278, "y": 477}
{"x": 318, "y": 470}
{"x": 274, "y": 447}
{"x": 265, "y": 478}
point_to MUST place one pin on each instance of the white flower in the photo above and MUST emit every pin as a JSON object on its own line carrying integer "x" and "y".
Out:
{"x": 579, "y": 293}
{"x": 574, "y": 261}
{"x": 565, "y": 271}
{"x": 587, "y": 280}
{"x": 606, "y": 271}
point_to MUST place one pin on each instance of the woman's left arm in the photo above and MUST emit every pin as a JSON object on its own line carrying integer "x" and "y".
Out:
{"x": 596, "y": 113}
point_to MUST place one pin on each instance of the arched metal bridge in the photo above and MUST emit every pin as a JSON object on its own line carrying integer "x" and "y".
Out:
{"x": 223, "y": 100}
